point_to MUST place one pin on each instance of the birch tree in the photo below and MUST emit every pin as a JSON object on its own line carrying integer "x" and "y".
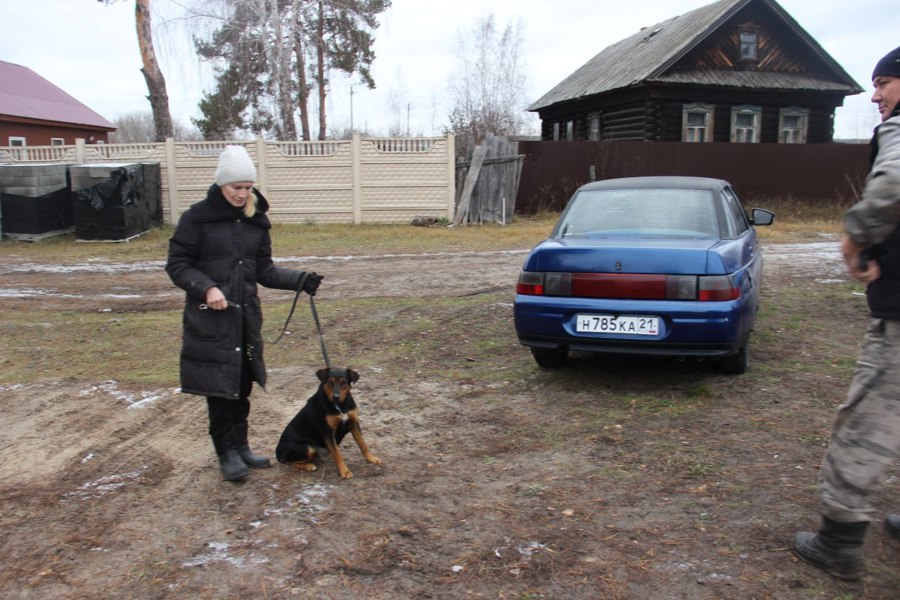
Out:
{"x": 275, "y": 54}
{"x": 488, "y": 89}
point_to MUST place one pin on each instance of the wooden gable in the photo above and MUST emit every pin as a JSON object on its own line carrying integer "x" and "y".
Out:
{"x": 695, "y": 59}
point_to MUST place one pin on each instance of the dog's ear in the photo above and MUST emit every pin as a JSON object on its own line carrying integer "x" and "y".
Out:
{"x": 322, "y": 374}
{"x": 352, "y": 375}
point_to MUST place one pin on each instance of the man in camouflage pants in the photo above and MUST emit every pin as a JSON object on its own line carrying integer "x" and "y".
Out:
{"x": 866, "y": 434}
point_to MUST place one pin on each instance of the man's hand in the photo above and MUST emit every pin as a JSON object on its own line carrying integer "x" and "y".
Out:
{"x": 864, "y": 271}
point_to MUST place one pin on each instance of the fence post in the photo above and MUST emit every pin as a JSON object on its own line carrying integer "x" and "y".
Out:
{"x": 261, "y": 174}
{"x": 356, "y": 168}
{"x": 172, "y": 177}
{"x": 79, "y": 150}
{"x": 451, "y": 177}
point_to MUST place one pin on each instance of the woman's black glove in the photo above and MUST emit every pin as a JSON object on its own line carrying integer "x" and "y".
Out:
{"x": 311, "y": 283}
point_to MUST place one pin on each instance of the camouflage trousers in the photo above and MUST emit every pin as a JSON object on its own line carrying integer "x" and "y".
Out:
{"x": 865, "y": 438}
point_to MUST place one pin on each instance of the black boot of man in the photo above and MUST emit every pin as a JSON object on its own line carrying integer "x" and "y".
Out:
{"x": 837, "y": 549}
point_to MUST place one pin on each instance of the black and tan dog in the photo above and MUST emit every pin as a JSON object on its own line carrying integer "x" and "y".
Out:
{"x": 322, "y": 423}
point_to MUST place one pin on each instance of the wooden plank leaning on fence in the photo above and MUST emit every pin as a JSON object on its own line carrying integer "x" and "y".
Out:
{"x": 462, "y": 208}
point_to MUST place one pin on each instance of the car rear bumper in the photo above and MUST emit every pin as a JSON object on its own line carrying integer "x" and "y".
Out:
{"x": 702, "y": 329}
{"x": 644, "y": 349}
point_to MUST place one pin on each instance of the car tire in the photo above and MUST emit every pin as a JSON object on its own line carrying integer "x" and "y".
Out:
{"x": 738, "y": 363}
{"x": 550, "y": 358}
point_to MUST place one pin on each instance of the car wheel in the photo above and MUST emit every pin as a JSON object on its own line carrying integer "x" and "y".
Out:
{"x": 550, "y": 358}
{"x": 737, "y": 364}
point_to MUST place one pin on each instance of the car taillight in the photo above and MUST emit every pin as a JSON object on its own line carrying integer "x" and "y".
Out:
{"x": 534, "y": 283}
{"x": 628, "y": 286}
{"x": 718, "y": 287}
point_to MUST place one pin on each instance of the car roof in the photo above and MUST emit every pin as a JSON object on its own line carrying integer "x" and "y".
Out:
{"x": 656, "y": 182}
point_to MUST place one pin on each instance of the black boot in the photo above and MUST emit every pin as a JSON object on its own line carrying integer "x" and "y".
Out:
{"x": 837, "y": 549}
{"x": 251, "y": 459}
{"x": 892, "y": 524}
{"x": 232, "y": 466}
{"x": 247, "y": 455}
{"x": 223, "y": 439}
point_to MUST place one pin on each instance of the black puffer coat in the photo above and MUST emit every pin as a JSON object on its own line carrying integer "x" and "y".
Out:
{"x": 214, "y": 244}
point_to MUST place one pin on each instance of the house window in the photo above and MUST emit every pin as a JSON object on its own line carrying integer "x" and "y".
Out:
{"x": 16, "y": 141}
{"x": 745, "y": 124}
{"x": 570, "y": 131}
{"x": 697, "y": 120}
{"x": 57, "y": 142}
{"x": 749, "y": 45}
{"x": 556, "y": 132}
{"x": 594, "y": 134}
{"x": 792, "y": 122}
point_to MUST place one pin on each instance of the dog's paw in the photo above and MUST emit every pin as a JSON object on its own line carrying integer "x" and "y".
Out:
{"x": 347, "y": 475}
{"x": 307, "y": 466}
{"x": 373, "y": 459}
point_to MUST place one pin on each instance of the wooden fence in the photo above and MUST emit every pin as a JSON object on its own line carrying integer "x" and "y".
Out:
{"x": 488, "y": 182}
{"x": 554, "y": 170}
{"x": 362, "y": 180}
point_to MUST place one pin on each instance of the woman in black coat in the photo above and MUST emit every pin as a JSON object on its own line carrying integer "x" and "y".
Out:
{"x": 220, "y": 250}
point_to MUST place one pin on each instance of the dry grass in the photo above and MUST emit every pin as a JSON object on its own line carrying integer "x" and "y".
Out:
{"x": 795, "y": 221}
{"x": 38, "y": 342}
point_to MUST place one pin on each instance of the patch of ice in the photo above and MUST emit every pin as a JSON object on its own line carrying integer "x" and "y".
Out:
{"x": 308, "y": 503}
{"x": 105, "y": 485}
{"x": 218, "y": 551}
{"x": 528, "y": 550}
{"x": 111, "y": 387}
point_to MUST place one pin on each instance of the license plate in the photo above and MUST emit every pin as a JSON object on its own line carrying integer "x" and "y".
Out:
{"x": 630, "y": 325}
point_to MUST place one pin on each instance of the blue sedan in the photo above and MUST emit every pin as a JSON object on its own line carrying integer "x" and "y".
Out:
{"x": 665, "y": 266}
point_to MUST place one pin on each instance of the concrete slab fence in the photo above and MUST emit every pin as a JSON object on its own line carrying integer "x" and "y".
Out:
{"x": 361, "y": 180}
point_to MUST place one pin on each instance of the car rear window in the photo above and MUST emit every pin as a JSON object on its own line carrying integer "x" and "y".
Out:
{"x": 646, "y": 212}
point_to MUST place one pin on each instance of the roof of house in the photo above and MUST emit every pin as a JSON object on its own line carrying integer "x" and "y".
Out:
{"x": 26, "y": 95}
{"x": 646, "y": 56}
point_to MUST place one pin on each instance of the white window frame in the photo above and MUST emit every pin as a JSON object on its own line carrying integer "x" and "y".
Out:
{"x": 689, "y": 132}
{"x": 570, "y": 131}
{"x": 742, "y": 134}
{"x": 57, "y": 141}
{"x": 17, "y": 141}
{"x": 749, "y": 42}
{"x": 793, "y": 136}
{"x": 594, "y": 132}
{"x": 556, "y": 132}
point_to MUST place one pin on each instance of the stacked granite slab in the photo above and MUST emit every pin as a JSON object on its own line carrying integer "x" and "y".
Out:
{"x": 35, "y": 199}
{"x": 115, "y": 201}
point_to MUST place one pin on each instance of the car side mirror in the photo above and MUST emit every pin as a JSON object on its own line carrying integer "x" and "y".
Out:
{"x": 760, "y": 216}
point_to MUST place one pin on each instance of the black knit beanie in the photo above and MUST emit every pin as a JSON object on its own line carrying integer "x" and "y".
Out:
{"x": 889, "y": 65}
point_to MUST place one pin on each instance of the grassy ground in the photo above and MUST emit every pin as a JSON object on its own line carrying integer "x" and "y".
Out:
{"x": 38, "y": 342}
{"x": 794, "y": 221}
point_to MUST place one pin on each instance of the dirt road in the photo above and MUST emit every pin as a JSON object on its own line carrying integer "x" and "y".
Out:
{"x": 610, "y": 479}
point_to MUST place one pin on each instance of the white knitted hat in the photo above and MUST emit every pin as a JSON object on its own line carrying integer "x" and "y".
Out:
{"x": 234, "y": 165}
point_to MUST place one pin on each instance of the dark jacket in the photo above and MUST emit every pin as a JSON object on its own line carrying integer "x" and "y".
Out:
{"x": 214, "y": 244}
{"x": 873, "y": 221}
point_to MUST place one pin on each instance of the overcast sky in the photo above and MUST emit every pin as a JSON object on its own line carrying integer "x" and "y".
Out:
{"x": 90, "y": 50}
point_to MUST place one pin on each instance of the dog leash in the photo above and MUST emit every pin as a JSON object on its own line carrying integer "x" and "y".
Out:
{"x": 315, "y": 314}
{"x": 312, "y": 307}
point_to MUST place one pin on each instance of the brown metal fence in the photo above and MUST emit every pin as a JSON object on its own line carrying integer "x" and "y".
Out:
{"x": 553, "y": 170}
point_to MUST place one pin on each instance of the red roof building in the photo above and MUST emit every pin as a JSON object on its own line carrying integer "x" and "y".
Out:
{"x": 34, "y": 112}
